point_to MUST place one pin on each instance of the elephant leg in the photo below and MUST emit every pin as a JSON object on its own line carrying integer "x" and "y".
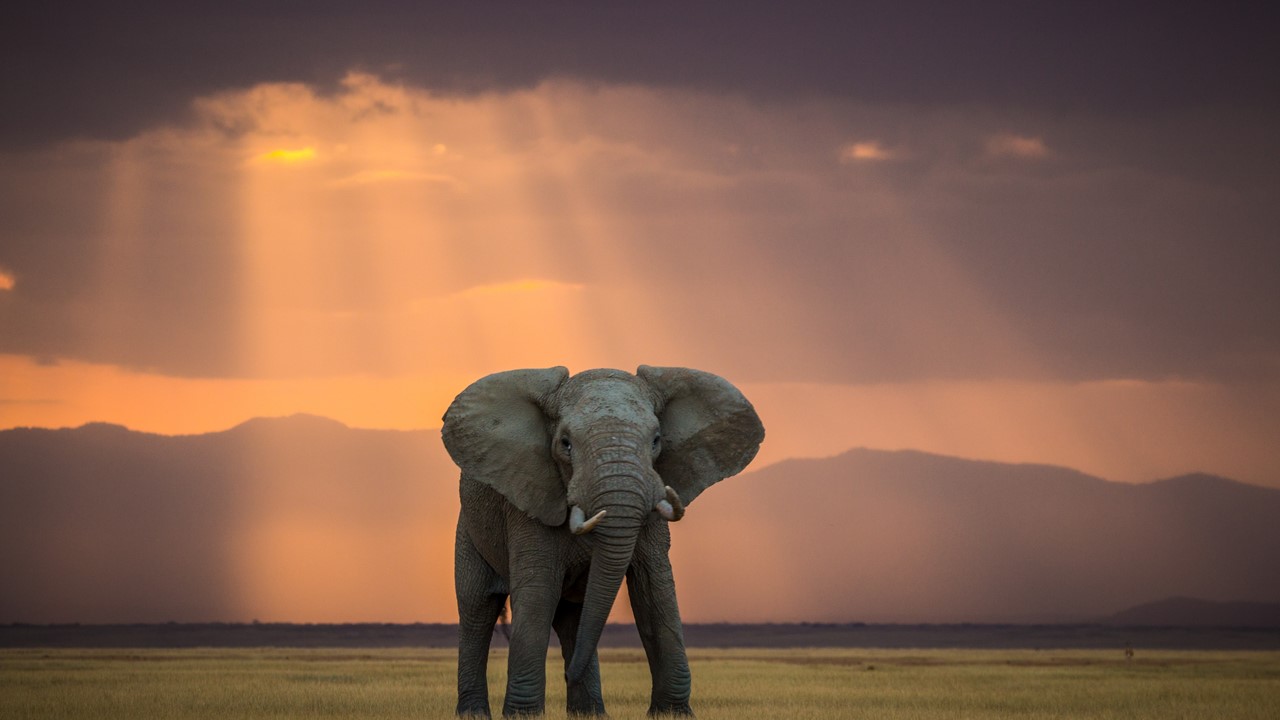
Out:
{"x": 584, "y": 697}
{"x": 653, "y": 602}
{"x": 481, "y": 595}
{"x": 533, "y": 604}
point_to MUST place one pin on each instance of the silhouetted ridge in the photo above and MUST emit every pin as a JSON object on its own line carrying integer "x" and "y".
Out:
{"x": 907, "y": 536}
{"x": 103, "y": 524}
{"x": 1192, "y": 612}
{"x": 104, "y": 428}
{"x": 298, "y": 422}
{"x": 1204, "y": 482}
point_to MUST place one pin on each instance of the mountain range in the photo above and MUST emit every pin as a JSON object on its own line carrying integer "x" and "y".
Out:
{"x": 304, "y": 519}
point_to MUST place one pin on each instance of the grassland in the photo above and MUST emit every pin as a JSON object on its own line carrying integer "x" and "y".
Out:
{"x": 741, "y": 684}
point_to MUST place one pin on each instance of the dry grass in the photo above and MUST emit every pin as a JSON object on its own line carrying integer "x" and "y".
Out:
{"x": 739, "y": 684}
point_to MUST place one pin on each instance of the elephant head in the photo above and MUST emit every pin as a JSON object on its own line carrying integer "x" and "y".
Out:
{"x": 603, "y": 451}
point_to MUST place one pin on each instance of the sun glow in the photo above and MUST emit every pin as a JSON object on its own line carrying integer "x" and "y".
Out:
{"x": 288, "y": 157}
{"x": 7, "y": 281}
{"x": 428, "y": 239}
{"x": 862, "y": 151}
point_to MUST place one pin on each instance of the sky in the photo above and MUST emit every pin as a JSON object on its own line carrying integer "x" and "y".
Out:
{"x": 996, "y": 230}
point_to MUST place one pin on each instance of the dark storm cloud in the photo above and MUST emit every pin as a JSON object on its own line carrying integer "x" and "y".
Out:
{"x": 109, "y": 70}
{"x": 1122, "y": 249}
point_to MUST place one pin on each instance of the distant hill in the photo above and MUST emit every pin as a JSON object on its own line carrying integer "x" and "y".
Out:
{"x": 303, "y": 519}
{"x": 911, "y": 537}
{"x": 1190, "y": 612}
{"x": 297, "y": 518}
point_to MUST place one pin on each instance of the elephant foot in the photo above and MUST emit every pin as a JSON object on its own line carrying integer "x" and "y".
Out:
{"x": 510, "y": 710}
{"x": 473, "y": 706}
{"x": 582, "y": 702}
{"x": 682, "y": 709}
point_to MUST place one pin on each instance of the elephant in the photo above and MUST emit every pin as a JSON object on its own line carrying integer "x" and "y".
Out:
{"x": 567, "y": 485}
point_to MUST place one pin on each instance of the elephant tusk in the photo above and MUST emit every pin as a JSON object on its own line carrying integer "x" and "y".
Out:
{"x": 670, "y": 507}
{"x": 578, "y": 525}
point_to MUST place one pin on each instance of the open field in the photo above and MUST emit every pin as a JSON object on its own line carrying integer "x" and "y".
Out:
{"x": 744, "y": 683}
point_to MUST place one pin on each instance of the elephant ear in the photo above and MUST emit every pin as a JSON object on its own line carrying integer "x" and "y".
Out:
{"x": 709, "y": 429}
{"x": 497, "y": 431}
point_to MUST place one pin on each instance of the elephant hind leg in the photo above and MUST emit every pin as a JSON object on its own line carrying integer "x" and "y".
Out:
{"x": 584, "y": 698}
{"x": 481, "y": 598}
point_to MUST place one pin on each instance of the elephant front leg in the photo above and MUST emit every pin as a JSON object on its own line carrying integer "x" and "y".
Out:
{"x": 481, "y": 595}
{"x": 653, "y": 602}
{"x": 533, "y": 606}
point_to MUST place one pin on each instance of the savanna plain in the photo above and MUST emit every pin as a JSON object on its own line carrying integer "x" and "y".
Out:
{"x": 819, "y": 683}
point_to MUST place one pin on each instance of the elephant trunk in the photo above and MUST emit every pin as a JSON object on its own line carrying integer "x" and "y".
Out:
{"x": 614, "y": 540}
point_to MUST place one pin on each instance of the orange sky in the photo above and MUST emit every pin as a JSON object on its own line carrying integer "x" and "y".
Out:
{"x": 376, "y": 249}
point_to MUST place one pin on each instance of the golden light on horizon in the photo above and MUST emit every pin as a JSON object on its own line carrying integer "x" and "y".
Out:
{"x": 7, "y": 280}
{"x": 70, "y": 394}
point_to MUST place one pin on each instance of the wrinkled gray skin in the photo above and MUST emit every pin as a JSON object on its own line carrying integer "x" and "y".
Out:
{"x": 541, "y": 451}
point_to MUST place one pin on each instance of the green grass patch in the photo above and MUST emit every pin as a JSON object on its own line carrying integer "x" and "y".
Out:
{"x": 741, "y": 684}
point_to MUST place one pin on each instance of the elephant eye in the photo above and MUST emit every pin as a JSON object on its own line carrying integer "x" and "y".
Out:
{"x": 565, "y": 445}
{"x": 657, "y": 439}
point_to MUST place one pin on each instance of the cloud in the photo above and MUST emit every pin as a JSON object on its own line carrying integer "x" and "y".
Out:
{"x": 1023, "y": 147}
{"x": 169, "y": 252}
{"x": 71, "y": 80}
{"x": 867, "y": 150}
